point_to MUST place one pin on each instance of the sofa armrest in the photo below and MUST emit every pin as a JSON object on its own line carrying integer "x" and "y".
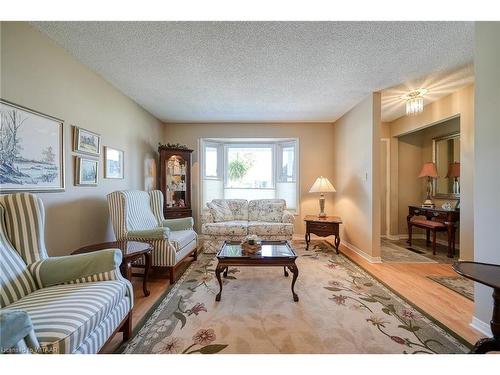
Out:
{"x": 60, "y": 270}
{"x": 287, "y": 217}
{"x": 160, "y": 233}
{"x": 206, "y": 216}
{"x": 184, "y": 223}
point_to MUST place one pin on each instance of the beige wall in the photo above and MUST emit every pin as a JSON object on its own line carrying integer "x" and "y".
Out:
{"x": 40, "y": 75}
{"x": 315, "y": 147}
{"x": 460, "y": 103}
{"x": 487, "y": 159}
{"x": 356, "y": 172}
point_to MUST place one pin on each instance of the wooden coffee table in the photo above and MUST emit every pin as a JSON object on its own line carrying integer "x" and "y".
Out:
{"x": 272, "y": 254}
{"x": 131, "y": 251}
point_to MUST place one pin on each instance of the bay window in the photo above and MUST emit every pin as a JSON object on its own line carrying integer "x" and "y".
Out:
{"x": 249, "y": 169}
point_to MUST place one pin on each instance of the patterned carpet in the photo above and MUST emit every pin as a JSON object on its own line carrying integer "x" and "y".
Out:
{"x": 342, "y": 309}
{"x": 458, "y": 284}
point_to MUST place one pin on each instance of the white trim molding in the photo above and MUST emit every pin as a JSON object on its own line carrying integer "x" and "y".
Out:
{"x": 481, "y": 326}
{"x": 361, "y": 253}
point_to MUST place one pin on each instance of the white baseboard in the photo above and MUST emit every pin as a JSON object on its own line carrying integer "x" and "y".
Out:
{"x": 361, "y": 253}
{"x": 481, "y": 326}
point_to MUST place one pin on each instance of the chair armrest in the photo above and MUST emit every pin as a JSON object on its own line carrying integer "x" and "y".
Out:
{"x": 178, "y": 224}
{"x": 160, "y": 233}
{"x": 60, "y": 270}
{"x": 206, "y": 216}
{"x": 15, "y": 326}
{"x": 287, "y": 217}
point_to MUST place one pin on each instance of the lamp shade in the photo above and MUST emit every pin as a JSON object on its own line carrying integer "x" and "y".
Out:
{"x": 428, "y": 170}
{"x": 453, "y": 170}
{"x": 322, "y": 185}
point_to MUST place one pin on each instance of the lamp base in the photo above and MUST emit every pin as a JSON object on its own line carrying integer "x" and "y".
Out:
{"x": 322, "y": 206}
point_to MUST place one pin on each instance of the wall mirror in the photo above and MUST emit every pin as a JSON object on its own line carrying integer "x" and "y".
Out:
{"x": 446, "y": 156}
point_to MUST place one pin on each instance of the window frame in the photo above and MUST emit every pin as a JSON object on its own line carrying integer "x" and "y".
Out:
{"x": 277, "y": 145}
{"x": 228, "y": 145}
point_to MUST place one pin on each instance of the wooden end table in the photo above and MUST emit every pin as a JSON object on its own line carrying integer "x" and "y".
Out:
{"x": 272, "y": 254}
{"x": 489, "y": 275}
{"x": 131, "y": 251}
{"x": 323, "y": 227}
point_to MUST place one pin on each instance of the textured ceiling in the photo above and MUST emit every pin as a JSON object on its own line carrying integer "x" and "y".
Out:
{"x": 261, "y": 71}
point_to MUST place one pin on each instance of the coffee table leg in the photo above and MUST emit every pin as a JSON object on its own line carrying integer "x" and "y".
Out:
{"x": 308, "y": 239}
{"x": 126, "y": 268}
{"x": 218, "y": 271}
{"x": 147, "y": 266}
{"x": 285, "y": 272}
{"x": 295, "y": 272}
{"x": 225, "y": 272}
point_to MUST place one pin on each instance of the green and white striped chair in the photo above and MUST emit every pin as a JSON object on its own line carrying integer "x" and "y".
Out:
{"x": 74, "y": 303}
{"x": 138, "y": 215}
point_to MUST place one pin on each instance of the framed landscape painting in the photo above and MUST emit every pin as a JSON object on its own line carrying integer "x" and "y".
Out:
{"x": 31, "y": 150}
{"x": 86, "y": 171}
{"x": 113, "y": 163}
{"x": 86, "y": 142}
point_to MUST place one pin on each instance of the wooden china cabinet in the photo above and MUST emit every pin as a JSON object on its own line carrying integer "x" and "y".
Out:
{"x": 175, "y": 181}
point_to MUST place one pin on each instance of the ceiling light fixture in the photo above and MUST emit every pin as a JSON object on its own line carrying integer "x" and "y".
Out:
{"x": 414, "y": 101}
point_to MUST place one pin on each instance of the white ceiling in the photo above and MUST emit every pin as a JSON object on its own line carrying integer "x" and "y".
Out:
{"x": 262, "y": 71}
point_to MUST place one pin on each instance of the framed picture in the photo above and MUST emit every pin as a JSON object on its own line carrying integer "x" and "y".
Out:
{"x": 86, "y": 171}
{"x": 31, "y": 150}
{"x": 86, "y": 142}
{"x": 113, "y": 163}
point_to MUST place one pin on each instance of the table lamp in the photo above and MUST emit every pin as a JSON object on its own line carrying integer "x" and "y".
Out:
{"x": 429, "y": 171}
{"x": 322, "y": 185}
{"x": 454, "y": 172}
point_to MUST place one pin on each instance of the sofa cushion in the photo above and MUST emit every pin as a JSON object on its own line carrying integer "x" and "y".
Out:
{"x": 220, "y": 211}
{"x": 180, "y": 239}
{"x": 230, "y": 228}
{"x": 228, "y": 209}
{"x": 63, "y": 315}
{"x": 270, "y": 210}
{"x": 270, "y": 229}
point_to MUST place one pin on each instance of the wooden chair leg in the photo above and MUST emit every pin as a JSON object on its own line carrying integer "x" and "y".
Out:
{"x": 127, "y": 327}
{"x": 171, "y": 274}
{"x": 434, "y": 233}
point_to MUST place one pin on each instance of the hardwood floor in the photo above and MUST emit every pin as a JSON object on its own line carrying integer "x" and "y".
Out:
{"x": 408, "y": 279}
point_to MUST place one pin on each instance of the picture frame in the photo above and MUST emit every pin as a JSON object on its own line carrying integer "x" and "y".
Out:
{"x": 86, "y": 171}
{"x": 31, "y": 150}
{"x": 86, "y": 141}
{"x": 114, "y": 163}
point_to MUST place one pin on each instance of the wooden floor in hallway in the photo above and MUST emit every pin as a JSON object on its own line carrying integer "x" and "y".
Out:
{"x": 407, "y": 279}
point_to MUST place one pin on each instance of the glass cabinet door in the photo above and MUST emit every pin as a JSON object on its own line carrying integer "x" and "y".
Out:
{"x": 176, "y": 169}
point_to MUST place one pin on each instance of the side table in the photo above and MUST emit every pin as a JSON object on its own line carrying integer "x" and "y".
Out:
{"x": 324, "y": 227}
{"x": 131, "y": 251}
{"x": 489, "y": 275}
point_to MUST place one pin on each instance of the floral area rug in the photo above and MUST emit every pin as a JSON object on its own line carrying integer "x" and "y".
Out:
{"x": 458, "y": 284}
{"x": 342, "y": 309}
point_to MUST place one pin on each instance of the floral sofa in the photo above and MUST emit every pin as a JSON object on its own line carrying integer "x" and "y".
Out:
{"x": 234, "y": 219}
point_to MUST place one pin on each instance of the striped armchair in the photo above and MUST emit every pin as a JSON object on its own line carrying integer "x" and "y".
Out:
{"x": 138, "y": 215}
{"x": 69, "y": 304}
